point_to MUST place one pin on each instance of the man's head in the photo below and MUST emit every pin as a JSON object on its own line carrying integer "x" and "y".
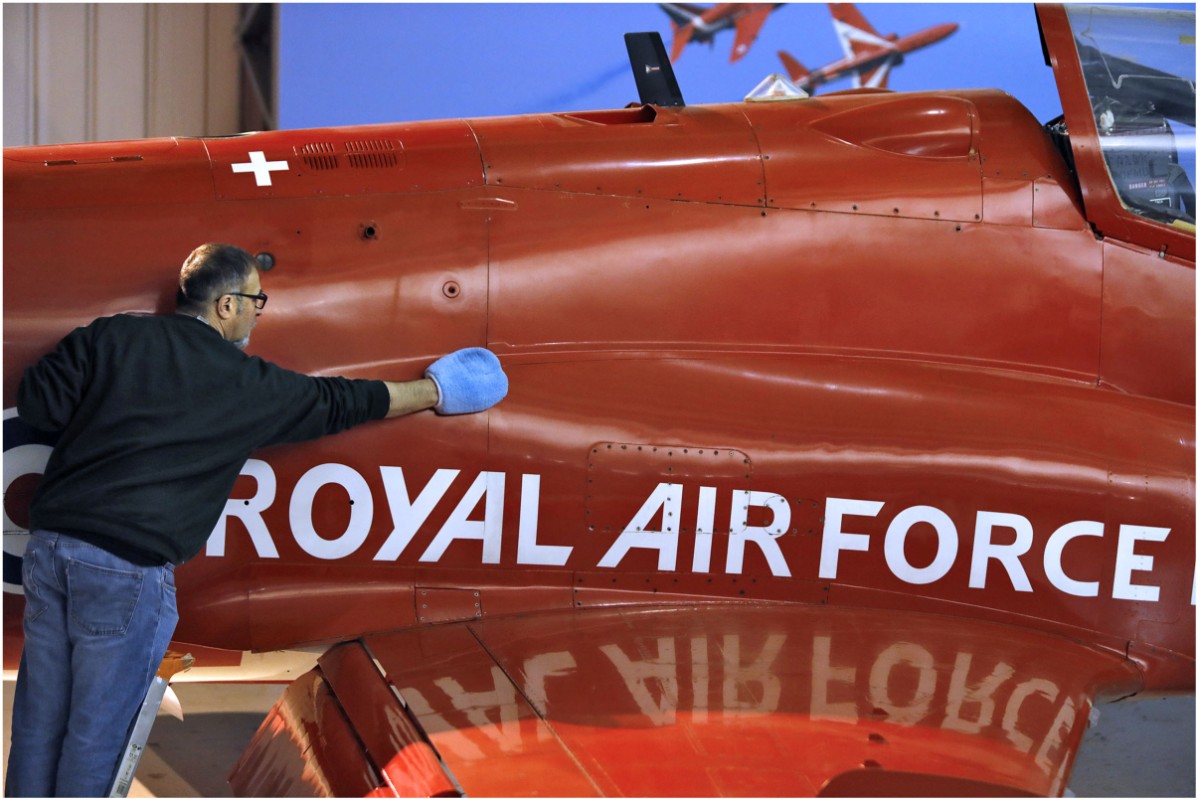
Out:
{"x": 218, "y": 283}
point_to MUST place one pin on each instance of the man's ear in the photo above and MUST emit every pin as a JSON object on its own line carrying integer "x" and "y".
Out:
{"x": 225, "y": 308}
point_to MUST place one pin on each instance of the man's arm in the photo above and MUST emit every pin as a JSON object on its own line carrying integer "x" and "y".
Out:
{"x": 51, "y": 390}
{"x": 409, "y": 397}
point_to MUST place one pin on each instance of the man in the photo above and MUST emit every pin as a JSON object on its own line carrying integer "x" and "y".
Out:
{"x": 157, "y": 415}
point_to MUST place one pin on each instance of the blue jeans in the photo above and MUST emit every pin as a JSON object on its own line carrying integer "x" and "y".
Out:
{"x": 96, "y": 630}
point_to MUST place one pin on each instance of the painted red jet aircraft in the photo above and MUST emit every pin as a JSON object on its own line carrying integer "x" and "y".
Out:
{"x": 692, "y": 23}
{"x": 849, "y": 446}
{"x": 869, "y": 57}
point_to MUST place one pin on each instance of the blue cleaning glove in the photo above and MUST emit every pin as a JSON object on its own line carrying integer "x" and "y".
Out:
{"x": 470, "y": 380}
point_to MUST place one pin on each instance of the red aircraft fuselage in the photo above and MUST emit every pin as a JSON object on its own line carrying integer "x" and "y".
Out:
{"x": 741, "y": 317}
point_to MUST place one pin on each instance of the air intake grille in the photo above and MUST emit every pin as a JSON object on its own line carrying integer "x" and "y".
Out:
{"x": 319, "y": 155}
{"x": 368, "y": 153}
{"x": 372, "y": 153}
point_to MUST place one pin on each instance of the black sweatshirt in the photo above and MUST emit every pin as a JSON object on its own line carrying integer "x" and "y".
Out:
{"x": 157, "y": 416}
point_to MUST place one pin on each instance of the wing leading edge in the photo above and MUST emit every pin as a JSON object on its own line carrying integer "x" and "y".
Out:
{"x": 706, "y": 700}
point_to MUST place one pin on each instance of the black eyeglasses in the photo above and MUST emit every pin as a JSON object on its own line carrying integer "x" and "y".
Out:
{"x": 260, "y": 300}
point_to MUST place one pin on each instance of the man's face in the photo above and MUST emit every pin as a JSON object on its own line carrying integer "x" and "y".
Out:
{"x": 248, "y": 313}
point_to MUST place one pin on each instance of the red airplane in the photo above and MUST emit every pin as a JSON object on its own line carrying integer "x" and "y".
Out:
{"x": 869, "y": 57}
{"x": 849, "y": 446}
{"x": 692, "y": 23}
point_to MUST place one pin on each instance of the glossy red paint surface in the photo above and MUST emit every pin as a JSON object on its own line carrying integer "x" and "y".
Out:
{"x": 748, "y": 700}
{"x": 862, "y": 356}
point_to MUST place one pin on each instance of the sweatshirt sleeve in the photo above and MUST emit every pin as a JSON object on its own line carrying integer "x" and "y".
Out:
{"x": 51, "y": 390}
{"x": 314, "y": 406}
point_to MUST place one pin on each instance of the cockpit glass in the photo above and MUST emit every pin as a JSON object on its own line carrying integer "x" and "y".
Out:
{"x": 1140, "y": 69}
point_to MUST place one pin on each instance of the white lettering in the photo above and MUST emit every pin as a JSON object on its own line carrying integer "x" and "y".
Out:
{"x": 668, "y": 498}
{"x": 361, "y": 511}
{"x": 893, "y": 545}
{"x": 1008, "y": 555}
{"x": 409, "y": 516}
{"x": 834, "y": 540}
{"x": 529, "y": 551}
{"x": 763, "y": 536}
{"x": 250, "y": 512}
{"x": 459, "y": 528}
{"x": 1052, "y": 560}
{"x": 657, "y": 525}
{"x": 706, "y": 512}
{"x": 1128, "y": 561}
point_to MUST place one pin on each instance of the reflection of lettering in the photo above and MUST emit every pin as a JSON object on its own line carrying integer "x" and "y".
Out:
{"x": 449, "y": 737}
{"x": 657, "y": 526}
{"x": 902, "y": 683}
{"x": 1012, "y": 711}
{"x": 538, "y": 669}
{"x": 981, "y": 695}
{"x": 741, "y": 677}
{"x": 882, "y": 687}
{"x": 700, "y": 678}
{"x": 640, "y": 675}
{"x": 1054, "y": 736}
{"x": 501, "y": 698}
{"x": 1058, "y": 730}
{"x": 825, "y": 674}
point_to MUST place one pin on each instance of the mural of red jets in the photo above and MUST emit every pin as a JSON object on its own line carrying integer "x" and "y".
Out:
{"x": 692, "y": 23}
{"x": 869, "y": 57}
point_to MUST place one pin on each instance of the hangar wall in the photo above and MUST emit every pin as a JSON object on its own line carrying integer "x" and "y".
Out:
{"x": 77, "y": 72}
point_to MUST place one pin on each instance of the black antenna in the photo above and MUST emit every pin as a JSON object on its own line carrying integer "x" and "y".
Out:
{"x": 652, "y": 71}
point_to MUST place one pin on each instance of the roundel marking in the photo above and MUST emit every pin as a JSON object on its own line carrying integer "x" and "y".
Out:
{"x": 26, "y": 452}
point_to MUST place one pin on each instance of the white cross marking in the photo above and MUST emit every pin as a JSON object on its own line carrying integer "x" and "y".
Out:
{"x": 261, "y": 168}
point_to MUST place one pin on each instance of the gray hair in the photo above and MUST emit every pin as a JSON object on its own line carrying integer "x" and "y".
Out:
{"x": 210, "y": 271}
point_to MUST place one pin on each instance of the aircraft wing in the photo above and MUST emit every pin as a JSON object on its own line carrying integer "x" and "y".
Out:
{"x": 705, "y": 700}
{"x": 876, "y": 75}
{"x": 746, "y": 30}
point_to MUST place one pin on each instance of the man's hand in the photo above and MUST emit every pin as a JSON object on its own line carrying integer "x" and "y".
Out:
{"x": 470, "y": 380}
